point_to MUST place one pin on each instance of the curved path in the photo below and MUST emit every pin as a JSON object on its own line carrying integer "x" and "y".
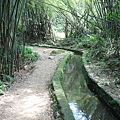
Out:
{"x": 28, "y": 97}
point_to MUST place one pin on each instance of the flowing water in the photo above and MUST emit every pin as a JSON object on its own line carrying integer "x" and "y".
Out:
{"x": 83, "y": 103}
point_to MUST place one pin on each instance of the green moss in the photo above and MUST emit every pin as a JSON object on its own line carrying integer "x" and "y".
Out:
{"x": 55, "y": 52}
{"x": 58, "y": 90}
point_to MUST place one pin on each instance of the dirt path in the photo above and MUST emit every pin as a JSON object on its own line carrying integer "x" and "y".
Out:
{"x": 28, "y": 98}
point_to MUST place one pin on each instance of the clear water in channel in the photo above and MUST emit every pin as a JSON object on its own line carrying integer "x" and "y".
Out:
{"x": 83, "y": 103}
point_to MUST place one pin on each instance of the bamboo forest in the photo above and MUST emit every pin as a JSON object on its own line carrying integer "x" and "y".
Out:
{"x": 70, "y": 46}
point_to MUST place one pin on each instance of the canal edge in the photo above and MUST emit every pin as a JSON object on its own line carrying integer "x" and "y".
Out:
{"x": 58, "y": 90}
{"x": 99, "y": 91}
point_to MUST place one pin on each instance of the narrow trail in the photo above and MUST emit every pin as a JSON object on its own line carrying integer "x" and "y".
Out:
{"x": 28, "y": 98}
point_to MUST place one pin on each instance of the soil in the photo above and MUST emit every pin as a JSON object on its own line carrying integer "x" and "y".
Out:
{"x": 105, "y": 80}
{"x": 28, "y": 97}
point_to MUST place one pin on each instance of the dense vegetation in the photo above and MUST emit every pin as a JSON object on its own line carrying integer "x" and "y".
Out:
{"x": 91, "y": 24}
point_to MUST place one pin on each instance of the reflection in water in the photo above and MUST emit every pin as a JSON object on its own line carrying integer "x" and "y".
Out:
{"x": 83, "y": 103}
{"x": 78, "y": 114}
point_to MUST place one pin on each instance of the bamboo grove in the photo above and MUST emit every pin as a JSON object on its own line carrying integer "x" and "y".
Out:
{"x": 37, "y": 22}
{"x": 33, "y": 20}
{"x": 20, "y": 21}
{"x": 106, "y": 17}
{"x": 10, "y": 48}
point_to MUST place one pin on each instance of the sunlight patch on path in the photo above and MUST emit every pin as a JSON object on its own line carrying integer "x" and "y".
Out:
{"x": 33, "y": 106}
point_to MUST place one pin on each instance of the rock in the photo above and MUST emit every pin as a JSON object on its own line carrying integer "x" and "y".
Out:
{"x": 25, "y": 67}
{"x": 1, "y": 93}
{"x": 51, "y": 57}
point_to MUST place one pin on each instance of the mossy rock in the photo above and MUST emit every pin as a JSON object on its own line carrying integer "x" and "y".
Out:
{"x": 55, "y": 52}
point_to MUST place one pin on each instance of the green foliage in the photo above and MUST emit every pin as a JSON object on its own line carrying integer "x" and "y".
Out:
{"x": 35, "y": 56}
{"x": 31, "y": 55}
{"x": 28, "y": 51}
{"x": 49, "y": 42}
{"x": 87, "y": 41}
{"x": 59, "y": 27}
{"x": 4, "y": 84}
{"x": 36, "y": 21}
{"x": 8, "y": 77}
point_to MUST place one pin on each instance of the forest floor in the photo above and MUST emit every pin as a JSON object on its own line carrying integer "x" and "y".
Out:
{"x": 28, "y": 97}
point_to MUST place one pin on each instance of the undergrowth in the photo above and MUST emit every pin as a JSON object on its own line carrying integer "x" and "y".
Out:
{"x": 29, "y": 57}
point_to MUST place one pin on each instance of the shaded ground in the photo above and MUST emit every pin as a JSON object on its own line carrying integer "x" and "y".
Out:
{"x": 28, "y": 97}
{"x": 105, "y": 80}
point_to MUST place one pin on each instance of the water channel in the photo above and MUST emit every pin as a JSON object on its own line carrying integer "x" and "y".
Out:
{"x": 83, "y": 103}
